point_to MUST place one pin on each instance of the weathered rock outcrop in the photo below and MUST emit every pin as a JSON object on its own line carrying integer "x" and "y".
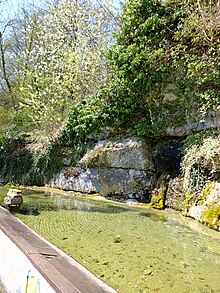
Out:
{"x": 202, "y": 181}
{"x": 126, "y": 154}
{"x": 205, "y": 206}
{"x": 122, "y": 168}
{"x": 194, "y": 123}
{"x": 121, "y": 182}
{"x": 174, "y": 194}
{"x": 177, "y": 120}
{"x": 128, "y": 169}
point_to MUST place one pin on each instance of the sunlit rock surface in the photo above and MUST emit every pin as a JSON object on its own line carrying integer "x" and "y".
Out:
{"x": 126, "y": 183}
{"x": 205, "y": 207}
{"x": 194, "y": 122}
{"x": 130, "y": 153}
{"x": 122, "y": 168}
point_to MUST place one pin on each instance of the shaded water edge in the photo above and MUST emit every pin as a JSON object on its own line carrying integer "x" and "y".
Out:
{"x": 133, "y": 249}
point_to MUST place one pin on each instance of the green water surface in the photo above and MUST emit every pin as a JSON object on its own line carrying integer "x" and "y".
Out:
{"x": 133, "y": 249}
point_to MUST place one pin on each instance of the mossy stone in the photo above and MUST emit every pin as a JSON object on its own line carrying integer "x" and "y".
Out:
{"x": 158, "y": 198}
{"x": 211, "y": 216}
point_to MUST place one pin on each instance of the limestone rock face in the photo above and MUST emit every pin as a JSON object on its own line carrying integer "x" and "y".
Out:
{"x": 176, "y": 121}
{"x": 129, "y": 183}
{"x": 126, "y": 154}
{"x": 123, "y": 168}
{"x": 195, "y": 212}
{"x": 206, "y": 207}
{"x": 76, "y": 179}
{"x": 178, "y": 124}
{"x": 194, "y": 122}
{"x": 120, "y": 182}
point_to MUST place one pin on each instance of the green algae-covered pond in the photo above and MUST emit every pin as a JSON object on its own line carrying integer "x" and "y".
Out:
{"x": 133, "y": 249}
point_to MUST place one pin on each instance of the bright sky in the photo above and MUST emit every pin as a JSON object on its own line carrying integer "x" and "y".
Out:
{"x": 8, "y": 8}
{"x": 11, "y": 6}
{"x": 116, "y": 2}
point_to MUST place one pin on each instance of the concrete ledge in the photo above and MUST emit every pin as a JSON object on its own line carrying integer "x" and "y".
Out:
{"x": 62, "y": 273}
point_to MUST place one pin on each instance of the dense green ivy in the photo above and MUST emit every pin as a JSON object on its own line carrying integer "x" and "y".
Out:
{"x": 21, "y": 163}
{"x": 161, "y": 43}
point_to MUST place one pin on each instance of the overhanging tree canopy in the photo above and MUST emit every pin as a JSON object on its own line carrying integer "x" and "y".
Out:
{"x": 55, "y": 57}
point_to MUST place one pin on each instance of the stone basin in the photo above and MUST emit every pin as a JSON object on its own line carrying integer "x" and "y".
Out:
{"x": 13, "y": 198}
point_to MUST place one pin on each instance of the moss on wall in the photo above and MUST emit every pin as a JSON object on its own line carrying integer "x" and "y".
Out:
{"x": 158, "y": 198}
{"x": 211, "y": 216}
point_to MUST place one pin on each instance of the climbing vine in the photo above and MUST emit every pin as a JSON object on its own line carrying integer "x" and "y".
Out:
{"x": 200, "y": 160}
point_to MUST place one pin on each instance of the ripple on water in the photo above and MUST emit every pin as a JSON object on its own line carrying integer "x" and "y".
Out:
{"x": 133, "y": 249}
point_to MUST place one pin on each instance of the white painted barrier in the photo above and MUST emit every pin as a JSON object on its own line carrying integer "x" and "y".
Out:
{"x": 17, "y": 273}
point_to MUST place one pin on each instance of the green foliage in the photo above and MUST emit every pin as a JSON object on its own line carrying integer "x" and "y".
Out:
{"x": 63, "y": 61}
{"x": 63, "y": 69}
{"x": 54, "y": 56}
{"x": 13, "y": 158}
{"x": 197, "y": 139}
{"x": 83, "y": 123}
{"x": 198, "y": 163}
{"x": 159, "y": 43}
{"x": 20, "y": 164}
{"x": 152, "y": 51}
{"x": 45, "y": 164}
{"x": 211, "y": 216}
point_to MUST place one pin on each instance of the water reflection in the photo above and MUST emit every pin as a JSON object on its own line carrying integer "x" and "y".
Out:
{"x": 27, "y": 211}
{"x": 153, "y": 216}
{"x": 34, "y": 203}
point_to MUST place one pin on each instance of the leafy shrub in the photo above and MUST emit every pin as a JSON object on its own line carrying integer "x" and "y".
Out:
{"x": 198, "y": 163}
{"x": 23, "y": 165}
{"x": 161, "y": 43}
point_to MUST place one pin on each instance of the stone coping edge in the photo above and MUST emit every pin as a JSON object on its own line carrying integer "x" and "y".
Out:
{"x": 16, "y": 231}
